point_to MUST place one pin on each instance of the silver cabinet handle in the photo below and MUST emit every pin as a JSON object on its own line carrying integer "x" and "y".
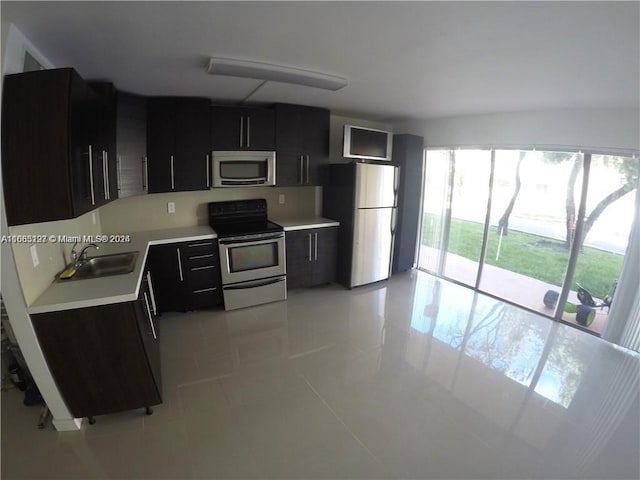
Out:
{"x": 248, "y": 132}
{"x": 153, "y": 297}
{"x": 301, "y": 169}
{"x": 93, "y": 193}
{"x": 208, "y": 174}
{"x": 203, "y": 290}
{"x": 196, "y": 257}
{"x": 204, "y": 244}
{"x": 307, "y": 168}
{"x": 105, "y": 174}
{"x": 206, "y": 267}
{"x": 145, "y": 175}
{"x": 173, "y": 180}
{"x": 119, "y": 174}
{"x": 309, "y": 239}
{"x": 315, "y": 246}
{"x": 153, "y": 329}
{"x": 241, "y": 130}
{"x": 106, "y": 156}
{"x": 180, "y": 265}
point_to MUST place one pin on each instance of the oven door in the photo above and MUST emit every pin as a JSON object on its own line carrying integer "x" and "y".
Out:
{"x": 252, "y": 257}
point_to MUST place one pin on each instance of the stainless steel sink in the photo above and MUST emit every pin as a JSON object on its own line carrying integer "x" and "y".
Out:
{"x": 106, "y": 265}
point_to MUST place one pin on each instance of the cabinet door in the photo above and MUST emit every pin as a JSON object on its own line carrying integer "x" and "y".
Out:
{"x": 106, "y": 119}
{"x": 95, "y": 120}
{"x": 227, "y": 128}
{"x": 408, "y": 151}
{"x": 316, "y": 144}
{"x": 103, "y": 367}
{"x": 149, "y": 326}
{"x": 290, "y": 168}
{"x": 236, "y": 128}
{"x": 299, "y": 258}
{"x": 131, "y": 144}
{"x": 166, "y": 264}
{"x": 302, "y": 144}
{"x": 81, "y": 154}
{"x": 289, "y": 127}
{"x": 325, "y": 255}
{"x": 192, "y": 144}
{"x": 161, "y": 162}
{"x": 260, "y": 128}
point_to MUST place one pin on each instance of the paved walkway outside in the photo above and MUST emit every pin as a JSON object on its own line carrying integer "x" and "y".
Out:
{"x": 511, "y": 286}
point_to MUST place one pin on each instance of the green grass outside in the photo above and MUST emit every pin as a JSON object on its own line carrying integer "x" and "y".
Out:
{"x": 535, "y": 256}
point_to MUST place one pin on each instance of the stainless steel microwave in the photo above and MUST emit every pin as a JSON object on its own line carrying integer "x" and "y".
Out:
{"x": 244, "y": 169}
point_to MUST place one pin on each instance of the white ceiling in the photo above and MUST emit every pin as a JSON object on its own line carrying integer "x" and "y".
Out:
{"x": 404, "y": 60}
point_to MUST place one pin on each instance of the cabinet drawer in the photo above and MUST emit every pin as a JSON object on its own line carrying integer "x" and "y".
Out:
{"x": 206, "y": 297}
{"x": 204, "y": 277}
{"x": 195, "y": 262}
{"x": 199, "y": 247}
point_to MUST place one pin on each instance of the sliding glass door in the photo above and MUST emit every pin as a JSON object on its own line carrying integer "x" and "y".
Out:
{"x": 514, "y": 223}
{"x": 528, "y": 242}
{"x": 455, "y": 206}
{"x": 608, "y": 219}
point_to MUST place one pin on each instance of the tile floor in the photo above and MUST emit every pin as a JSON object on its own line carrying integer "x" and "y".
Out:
{"x": 411, "y": 378}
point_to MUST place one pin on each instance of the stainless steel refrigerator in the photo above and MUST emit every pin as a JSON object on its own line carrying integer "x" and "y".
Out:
{"x": 363, "y": 197}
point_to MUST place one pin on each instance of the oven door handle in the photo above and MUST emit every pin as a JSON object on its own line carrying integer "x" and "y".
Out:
{"x": 255, "y": 283}
{"x": 256, "y": 239}
{"x": 256, "y": 179}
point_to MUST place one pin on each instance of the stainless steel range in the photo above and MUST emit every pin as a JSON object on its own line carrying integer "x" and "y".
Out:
{"x": 252, "y": 253}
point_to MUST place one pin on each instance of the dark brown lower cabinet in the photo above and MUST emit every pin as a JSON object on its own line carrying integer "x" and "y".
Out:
{"x": 186, "y": 275}
{"x": 311, "y": 256}
{"x": 104, "y": 359}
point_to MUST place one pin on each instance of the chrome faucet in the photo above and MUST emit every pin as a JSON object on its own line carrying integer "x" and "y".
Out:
{"x": 79, "y": 258}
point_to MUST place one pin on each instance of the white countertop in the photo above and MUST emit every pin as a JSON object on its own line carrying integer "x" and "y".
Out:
{"x": 306, "y": 223}
{"x": 92, "y": 292}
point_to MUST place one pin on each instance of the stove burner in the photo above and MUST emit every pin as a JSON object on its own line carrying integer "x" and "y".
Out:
{"x": 241, "y": 217}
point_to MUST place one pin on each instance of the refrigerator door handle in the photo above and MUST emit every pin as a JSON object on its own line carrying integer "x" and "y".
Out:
{"x": 394, "y": 220}
{"x": 396, "y": 183}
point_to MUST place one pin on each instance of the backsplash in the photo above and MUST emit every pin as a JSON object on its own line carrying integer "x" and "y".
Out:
{"x": 149, "y": 212}
{"x": 53, "y": 255}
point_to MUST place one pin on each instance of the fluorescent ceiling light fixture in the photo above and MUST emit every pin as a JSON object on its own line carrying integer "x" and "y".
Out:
{"x": 274, "y": 73}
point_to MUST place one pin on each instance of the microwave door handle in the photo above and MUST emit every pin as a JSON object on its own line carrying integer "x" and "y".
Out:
{"x": 241, "y": 129}
{"x": 266, "y": 171}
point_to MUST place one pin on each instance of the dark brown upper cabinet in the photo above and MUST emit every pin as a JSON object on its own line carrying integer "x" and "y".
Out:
{"x": 242, "y": 128}
{"x": 106, "y": 115}
{"x": 302, "y": 144}
{"x": 53, "y": 132}
{"x": 132, "y": 145}
{"x": 178, "y": 144}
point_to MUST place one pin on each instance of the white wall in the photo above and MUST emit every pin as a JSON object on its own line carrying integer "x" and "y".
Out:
{"x": 606, "y": 130}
